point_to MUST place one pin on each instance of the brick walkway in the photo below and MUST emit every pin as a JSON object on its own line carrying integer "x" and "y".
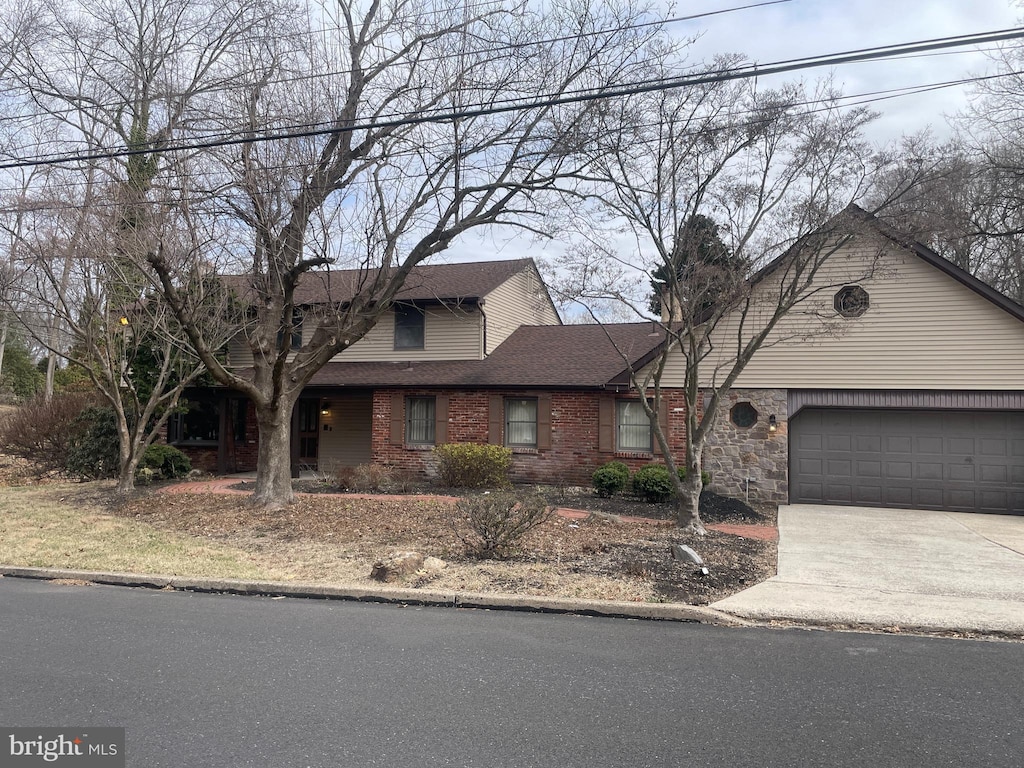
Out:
{"x": 223, "y": 485}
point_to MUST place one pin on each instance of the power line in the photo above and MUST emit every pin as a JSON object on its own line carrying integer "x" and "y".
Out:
{"x": 745, "y": 72}
{"x": 851, "y": 100}
{"x": 428, "y": 59}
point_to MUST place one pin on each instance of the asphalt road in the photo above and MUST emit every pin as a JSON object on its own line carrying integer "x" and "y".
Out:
{"x": 223, "y": 681}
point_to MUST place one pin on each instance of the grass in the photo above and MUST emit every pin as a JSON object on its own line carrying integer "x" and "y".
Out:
{"x": 56, "y": 526}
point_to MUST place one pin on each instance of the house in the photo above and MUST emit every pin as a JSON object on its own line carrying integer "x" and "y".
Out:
{"x": 913, "y": 400}
{"x": 471, "y": 353}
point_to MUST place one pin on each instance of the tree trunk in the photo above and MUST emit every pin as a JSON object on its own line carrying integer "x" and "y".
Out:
{"x": 688, "y": 502}
{"x": 3, "y": 342}
{"x": 274, "y": 464}
{"x": 126, "y": 476}
{"x": 128, "y": 456}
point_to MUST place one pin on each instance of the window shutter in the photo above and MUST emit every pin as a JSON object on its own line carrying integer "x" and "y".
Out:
{"x": 544, "y": 422}
{"x": 441, "y": 419}
{"x": 496, "y": 420}
{"x": 663, "y": 421}
{"x": 397, "y": 418}
{"x": 606, "y": 425}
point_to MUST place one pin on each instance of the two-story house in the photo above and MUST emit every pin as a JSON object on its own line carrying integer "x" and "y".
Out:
{"x": 471, "y": 352}
{"x": 914, "y": 398}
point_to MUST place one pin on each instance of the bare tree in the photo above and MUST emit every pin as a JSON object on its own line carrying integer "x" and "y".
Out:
{"x": 711, "y": 183}
{"x": 420, "y": 120}
{"x": 115, "y": 76}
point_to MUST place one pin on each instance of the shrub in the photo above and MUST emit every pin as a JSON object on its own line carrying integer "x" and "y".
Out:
{"x": 41, "y": 431}
{"x": 497, "y": 522}
{"x": 164, "y": 461}
{"x": 653, "y": 483}
{"x": 705, "y": 478}
{"x": 610, "y": 478}
{"x": 365, "y": 478}
{"x": 471, "y": 465}
{"x": 94, "y": 451}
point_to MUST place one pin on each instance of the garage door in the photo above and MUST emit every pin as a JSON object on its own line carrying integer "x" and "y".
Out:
{"x": 969, "y": 461}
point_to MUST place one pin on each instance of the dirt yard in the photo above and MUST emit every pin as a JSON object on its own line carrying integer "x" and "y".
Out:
{"x": 337, "y": 538}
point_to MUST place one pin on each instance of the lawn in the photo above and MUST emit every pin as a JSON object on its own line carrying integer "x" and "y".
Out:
{"x": 336, "y": 539}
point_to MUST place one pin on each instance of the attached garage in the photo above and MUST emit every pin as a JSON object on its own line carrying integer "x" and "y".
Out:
{"x": 958, "y": 460}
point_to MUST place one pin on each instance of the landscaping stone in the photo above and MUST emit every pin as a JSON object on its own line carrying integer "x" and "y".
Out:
{"x": 396, "y": 566}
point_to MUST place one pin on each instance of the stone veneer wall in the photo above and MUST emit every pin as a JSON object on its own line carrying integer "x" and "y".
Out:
{"x": 733, "y": 454}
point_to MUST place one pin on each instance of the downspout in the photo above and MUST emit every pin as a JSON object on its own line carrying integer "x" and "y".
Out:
{"x": 480, "y": 306}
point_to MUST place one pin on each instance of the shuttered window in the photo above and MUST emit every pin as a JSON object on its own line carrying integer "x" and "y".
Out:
{"x": 633, "y": 427}
{"x": 521, "y": 422}
{"x": 420, "y": 420}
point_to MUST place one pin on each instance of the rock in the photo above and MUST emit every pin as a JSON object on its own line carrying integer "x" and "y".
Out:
{"x": 686, "y": 554}
{"x": 604, "y": 517}
{"x": 434, "y": 564}
{"x": 394, "y": 567}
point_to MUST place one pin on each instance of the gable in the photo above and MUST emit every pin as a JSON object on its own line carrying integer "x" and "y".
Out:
{"x": 924, "y": 329}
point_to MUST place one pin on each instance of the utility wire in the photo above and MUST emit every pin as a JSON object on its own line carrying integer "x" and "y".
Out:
{"x": 746, "y": 72}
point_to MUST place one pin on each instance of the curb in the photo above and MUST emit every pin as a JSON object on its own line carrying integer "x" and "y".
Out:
{"x": 477, "y": 600}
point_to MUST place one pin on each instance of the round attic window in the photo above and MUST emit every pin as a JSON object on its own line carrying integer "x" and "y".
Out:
{"x": 852, "y": 301}
{"x": 743, "y": 415}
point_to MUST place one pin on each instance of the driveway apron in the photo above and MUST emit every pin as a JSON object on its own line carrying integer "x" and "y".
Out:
{"x": 885, "y": 567}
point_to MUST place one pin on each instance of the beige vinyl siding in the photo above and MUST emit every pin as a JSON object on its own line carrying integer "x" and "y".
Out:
{"x": 347, "y": 440}
{"x": 449, "y": 334}
{"x": 923, "y": 330}
{"x": 520, "y": 300}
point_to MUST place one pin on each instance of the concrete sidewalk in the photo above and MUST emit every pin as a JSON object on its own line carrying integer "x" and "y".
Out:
{"x": 883, "y": 567}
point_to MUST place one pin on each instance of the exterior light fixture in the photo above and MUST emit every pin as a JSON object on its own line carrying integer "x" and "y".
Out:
{"x": 773, "y": 425}
{"x": 325, "y": 408}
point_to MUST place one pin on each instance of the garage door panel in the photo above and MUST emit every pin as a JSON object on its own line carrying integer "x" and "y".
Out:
{"x": 899, "y": 470}
{"x": 842, "y": 443}
{"x": 958, "y": 460}
{"x": 992, "y": 447}
{"x": 897, "y": 497}
{"x": 992, "y": 473}
{"x": 898, "y": 444}
{"x": 867, "y": 443}
{"x": 840, "y": 468}
{"x": 868, "y": 494}
{"x": 869, "y": 469}
{"x": 962, "y": 445}
{"x": 960, "y": 473}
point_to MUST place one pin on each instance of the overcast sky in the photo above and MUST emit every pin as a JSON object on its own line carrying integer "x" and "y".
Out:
{"x": 801, "y": 28}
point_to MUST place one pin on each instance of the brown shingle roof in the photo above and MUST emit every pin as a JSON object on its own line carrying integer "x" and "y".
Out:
{"x": 427, "y": 282}
{"x": 569, "y": 356}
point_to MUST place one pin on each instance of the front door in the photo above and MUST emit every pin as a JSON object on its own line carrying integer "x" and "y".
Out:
{"x": 309, "y": 433}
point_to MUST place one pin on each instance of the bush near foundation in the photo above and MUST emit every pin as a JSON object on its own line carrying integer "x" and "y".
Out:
{"x": 610, "y": 478}
{"x": 653, "y": 483}
{"x": 473, "y": 465}
{"x": 165, "y": 461}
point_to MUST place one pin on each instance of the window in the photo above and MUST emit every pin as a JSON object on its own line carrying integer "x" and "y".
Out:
{"x": 851, "y": 301}
{"x": 199, "y": 424}
{"x": 409, "y": 325}
{"x": 296, "y": 333}
{"x": 419, "y": 420}
{"x": 634, "y": 428}
{"x": 521, "y": 422}
{"x": 743, "y": 415}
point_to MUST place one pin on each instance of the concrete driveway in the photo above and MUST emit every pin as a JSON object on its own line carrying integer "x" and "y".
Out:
{"x": 908, "y": 568}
